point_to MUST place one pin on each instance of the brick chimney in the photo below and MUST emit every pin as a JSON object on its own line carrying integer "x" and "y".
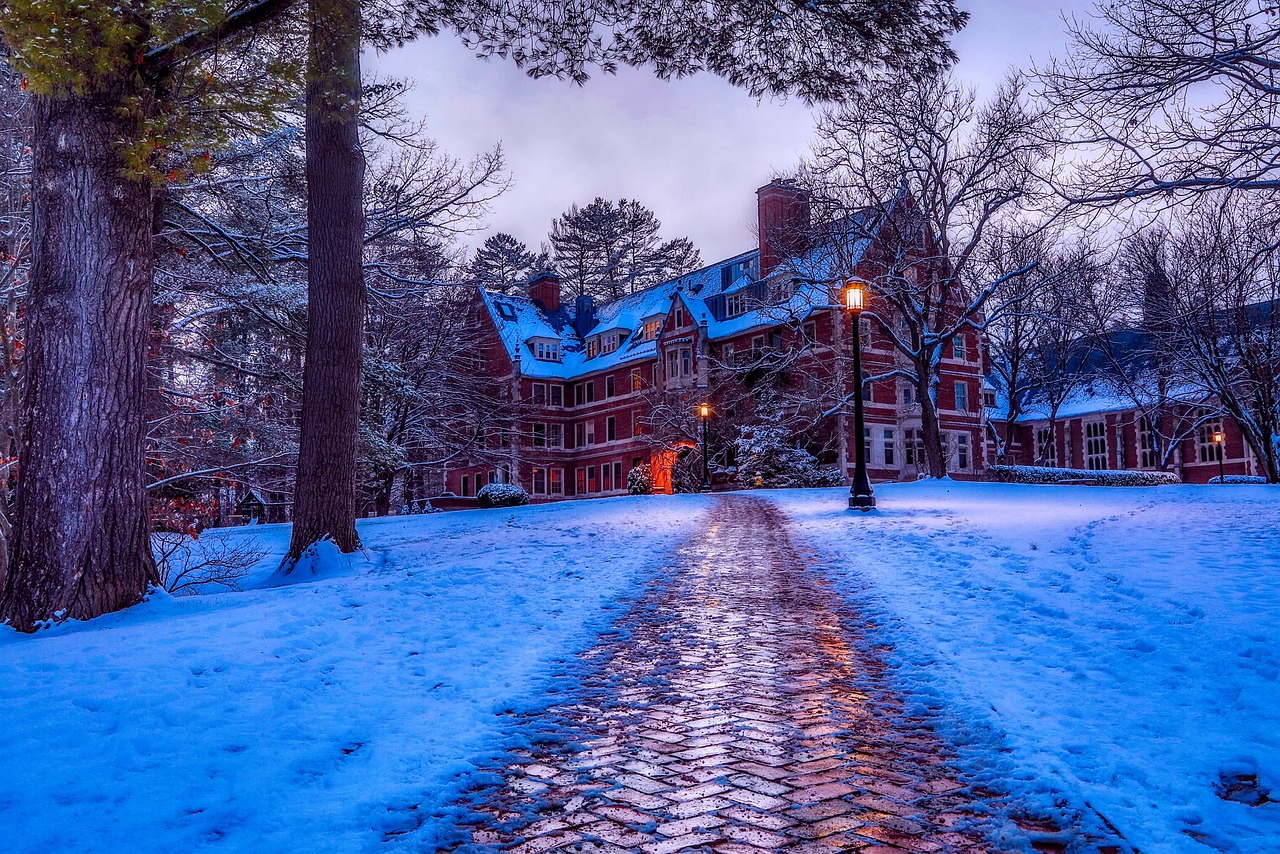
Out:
{"x": 544, "y": 290}
{"x": 783, "y": 222}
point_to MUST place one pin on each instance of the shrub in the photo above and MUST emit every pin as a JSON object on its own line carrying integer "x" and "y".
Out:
{"x": 1041, "y": 474}
{"x": 640, "y": 480}
{"x": 502, "y": 495}
{"x": 1240, "y": 478}
{"x": 768, "y": 457}
{"x": 188, "y": 565}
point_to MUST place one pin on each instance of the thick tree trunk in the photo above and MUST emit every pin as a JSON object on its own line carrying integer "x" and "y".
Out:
{"x": 80, "y": 546}
{"x": 325, "y": 494}
{"x": 931, "y": 432}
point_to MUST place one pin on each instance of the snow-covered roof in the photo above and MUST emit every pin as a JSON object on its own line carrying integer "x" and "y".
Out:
{"x": 789, "y": 294}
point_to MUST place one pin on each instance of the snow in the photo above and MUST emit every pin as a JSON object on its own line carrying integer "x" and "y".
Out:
{"x": 1115, "y": 648}
{"x": 319, "y": 715}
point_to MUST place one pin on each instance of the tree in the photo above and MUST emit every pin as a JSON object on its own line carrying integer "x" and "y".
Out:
{"x": 502, "y": 263}
{"x": 931, "y": 174}
{"x": 1172, "y": 96}
{"x": 106, "y": 107}
{"x": 607, "y": 251}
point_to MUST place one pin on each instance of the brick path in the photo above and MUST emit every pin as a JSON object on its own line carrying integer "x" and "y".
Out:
{"x": 739, "y": 710}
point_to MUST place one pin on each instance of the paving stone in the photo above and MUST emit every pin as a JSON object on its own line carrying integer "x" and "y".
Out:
{"x": 740, "y": 708}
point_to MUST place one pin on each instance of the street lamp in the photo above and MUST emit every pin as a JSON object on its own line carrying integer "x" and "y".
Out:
{"x": 860, "y": 492}
{"x": 1220, "y": 439}
{"x": 704, "y": 412}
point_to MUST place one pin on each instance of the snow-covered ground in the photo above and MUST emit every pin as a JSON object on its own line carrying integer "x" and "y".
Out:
{"x": 1120, "y": 646}
{"x": 316, "y": 716}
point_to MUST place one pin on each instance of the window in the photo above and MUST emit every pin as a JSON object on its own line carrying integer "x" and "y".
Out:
{"x": 539, "y": 481}
{"x": 962, "y": 397}
{"x": 637, "y": 424}
{"x": 775, "y": 340}
{"x": 958, "y": 350}
{"x": 636, "y": 382}
{"x": 466, "y": 485}
{"x": 864, "y": 333}
{"x": 609, "y": 343}
{"x": 556, "y": 481}
{"x": 866, "y": 444}
{"x": 908, "y": 394}
{"x": 493, "y": 477}
{"x": 578, "y": 394}
{"x": 810, "y": 330}
{"x": 592, "y": 483}
{"x": 650, "y": 330}
{"x": 591, "y": 391}
{"x": 1095, "y": 446}
{"x": 1209, "y": 450}
{"x": 593, "y": 348}
{"x": 673, "y": 364}
{"x": 547, "y": 351}
{"x": 889, "y": 441}
{"x": 726, "y": 354}
{"x": 506, "y": 311}
{"x": 591, "y": 432}
{"x": 557, "y": 395}
{"x": 539, "y": 435}
{"x": 989, "y": 399}
{"x": 913, "y": 447}
{"x": 866, "y": 387}
{"x": 679, "y": 317}
{"x": 606, "y": 478}
{"x": 1148, "y": 457}
{"x": 608, "y": 386}
{"x": 686, "y": 362}
{"x": 555, "y": 435}
{"x": 735, "y": 304}
{"x": 580, "y": 481}
{"x": 757, "y": 345}
{"x": 618, "y": 482}
{"x": 610, "y": 429}
{"x": 1046, "y": 448}
{"x": 962, "y": 451}
{"x": 539, "y": 393}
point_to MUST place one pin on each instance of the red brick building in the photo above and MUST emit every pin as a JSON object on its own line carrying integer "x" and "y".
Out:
{"x": 603, "y": 388}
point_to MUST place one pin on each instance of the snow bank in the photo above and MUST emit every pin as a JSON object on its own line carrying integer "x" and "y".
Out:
{"x": 1118, "y": 646}
{"x": 318, "y": 716}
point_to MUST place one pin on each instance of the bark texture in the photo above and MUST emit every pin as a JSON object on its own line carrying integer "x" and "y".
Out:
{"x": 325, "y": 494}
{"x": 80, "y": 541}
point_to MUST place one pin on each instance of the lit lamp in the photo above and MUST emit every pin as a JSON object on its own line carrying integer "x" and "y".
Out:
{"x": 704, "y": 412}
{"x": 1220, "y": 439}
{"x": 860, "y": 493}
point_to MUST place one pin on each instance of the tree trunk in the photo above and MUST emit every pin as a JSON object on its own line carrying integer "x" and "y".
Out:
{"x": 81, "y": 545}
{"x": 325, "y": 492}
{"x": 931, "y": 431}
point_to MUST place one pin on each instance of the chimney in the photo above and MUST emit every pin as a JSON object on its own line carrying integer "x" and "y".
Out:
{"x": 783, "y": 222}
{"x": 544, "y": 290}
{"x": 584, "y": 315}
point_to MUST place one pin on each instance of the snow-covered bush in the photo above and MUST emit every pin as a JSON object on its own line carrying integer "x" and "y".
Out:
{"x": 1240, "y": 478}
{"x": 190, "y": 565}
{"x": 640, "y": 480}
{"x": 1042, "y": 474}
{"x": 768, "y": 457}
{"x": 502, "y": 495}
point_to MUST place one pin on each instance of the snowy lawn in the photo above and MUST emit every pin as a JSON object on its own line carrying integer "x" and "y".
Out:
{"x": 1120, "y": 646}
{"x": 318, "y": 716}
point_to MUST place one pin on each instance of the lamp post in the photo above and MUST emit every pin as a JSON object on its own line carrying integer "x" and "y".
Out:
{"x": 704, "y": 412}
{"x": 860, "y": 492}
{"x": 1220, "y": 439}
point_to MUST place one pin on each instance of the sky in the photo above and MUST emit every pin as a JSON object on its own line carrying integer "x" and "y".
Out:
{"x": 694, "y": 151}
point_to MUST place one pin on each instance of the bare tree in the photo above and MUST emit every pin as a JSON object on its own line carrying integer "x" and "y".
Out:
{"x": 929, "y": 173}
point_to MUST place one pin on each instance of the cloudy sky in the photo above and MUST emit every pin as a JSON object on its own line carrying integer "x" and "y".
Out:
{"x": 692, "y": 150}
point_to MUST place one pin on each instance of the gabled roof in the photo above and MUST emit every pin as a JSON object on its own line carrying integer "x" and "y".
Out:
{"x": 802, "y": 283}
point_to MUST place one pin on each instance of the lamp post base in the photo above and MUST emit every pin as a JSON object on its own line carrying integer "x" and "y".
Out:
{"x": 862, "y": 502}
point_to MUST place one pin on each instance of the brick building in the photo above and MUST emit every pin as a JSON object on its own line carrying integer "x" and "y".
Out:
{"x": 603, "y": 388}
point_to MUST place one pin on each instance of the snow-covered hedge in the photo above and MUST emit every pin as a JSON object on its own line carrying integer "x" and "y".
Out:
{"x": 640, "y": 480}
{"x": 1041, "y": 474}
{"x": 768, "y": 457}
{"x": 502, "y": 495}
{"x": 1240, "y": 478}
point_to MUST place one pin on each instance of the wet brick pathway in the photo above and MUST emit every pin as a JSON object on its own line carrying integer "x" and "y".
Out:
{"x": 739, "y": 710}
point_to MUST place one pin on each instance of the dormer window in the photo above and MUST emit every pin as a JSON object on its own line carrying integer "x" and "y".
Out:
{"x": 609, "y": 343}
{"x": 593, "y": 348}
{"x": 547, "y": 351}
{"x": 650, "y": 330}
{"x": 735, "y": 304}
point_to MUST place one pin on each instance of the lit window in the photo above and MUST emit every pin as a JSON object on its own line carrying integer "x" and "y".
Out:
{"x": 1210, "y": 451}
{"x": 557, "y": 481}
{"x": 593, "y": 347}
{"x": 539, "y": 481}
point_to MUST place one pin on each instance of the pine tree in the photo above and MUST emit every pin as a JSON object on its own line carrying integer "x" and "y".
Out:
{"x": 502, "y": 263}
{"x": 608, "y": 250}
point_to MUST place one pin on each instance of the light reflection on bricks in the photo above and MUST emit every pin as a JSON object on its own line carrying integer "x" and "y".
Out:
{"x": 739, "y": 710}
